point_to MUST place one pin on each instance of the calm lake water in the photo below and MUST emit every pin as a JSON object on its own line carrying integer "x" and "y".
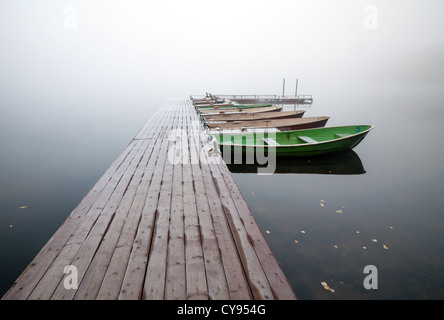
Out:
{"x": 78, "y": 80}
{"x": 324, "y": 218}
{"x": 381, "y": 205}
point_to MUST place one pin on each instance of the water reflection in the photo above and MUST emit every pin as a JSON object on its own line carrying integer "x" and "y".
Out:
{"x": 342, "y": 163}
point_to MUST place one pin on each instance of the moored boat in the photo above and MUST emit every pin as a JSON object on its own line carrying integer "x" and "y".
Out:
{"x": 280, "y": 124}
{"x": 229, "y": 106}
{"x": 214, "y": 105}
{"x": 297, "y": 143}
{"x": 239, "y": 110}
{"x": 225, "y": 117}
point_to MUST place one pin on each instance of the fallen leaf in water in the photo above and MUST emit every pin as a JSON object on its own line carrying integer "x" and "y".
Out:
{"x": 322, "y": 200}
{"x": 358, "y": 232}
{"x": 11, "y": 226}
{"x": 302, "y": 231}
{"x": 322, "y": 204}
{"x": 23, "y": 207}
{"x": 332, "y": 290}
{"x": 374, "y": 240}
{"x": 335, "y": 246}
{"x": 365, "y": 248}
{"x": 339, "y": 211}
{"x": 252, "y": 193}
{"x": 266, "y": 231}
{"x": 391, "y": 228}
{"x": 296, "y": 241}
{"x": 385, "y": 247}
{"x": 326, "y": 287}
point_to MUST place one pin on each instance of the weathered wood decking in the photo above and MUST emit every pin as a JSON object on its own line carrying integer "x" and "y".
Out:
{"x": 154, "y": 227}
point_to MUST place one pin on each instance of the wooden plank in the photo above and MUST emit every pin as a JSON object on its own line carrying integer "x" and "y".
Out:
{"x": 271, "y": 141}
{"x": 175, "y": 280}
{"x": 214, "y": 269}
{"x": 195, "y": 265}
{"x": 154, "y": 284}
{"x": 238, "y": 287}
{"x": 135, "y": 273}
{"x": 276, "y": 278}
{"x": 307, "y": 139}
{"x": 113, "y": 278}
{"x": 255, "y": 274}
{"x": 92, "y": 281}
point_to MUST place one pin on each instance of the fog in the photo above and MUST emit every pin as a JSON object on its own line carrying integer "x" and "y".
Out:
{"x": 78, "y": 79}
{"x": 131, "y": 50}
{"x": 94, "y": 66}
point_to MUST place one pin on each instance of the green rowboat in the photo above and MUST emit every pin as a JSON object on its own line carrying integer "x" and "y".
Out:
{"x": 297, "y": 143}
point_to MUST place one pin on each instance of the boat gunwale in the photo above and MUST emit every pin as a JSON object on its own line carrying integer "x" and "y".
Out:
{"x": 300, "y": 144}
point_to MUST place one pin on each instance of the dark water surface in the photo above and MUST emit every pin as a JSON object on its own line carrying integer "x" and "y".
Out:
{"x": 381, "y": 205}
{"x": 325, "y": 218}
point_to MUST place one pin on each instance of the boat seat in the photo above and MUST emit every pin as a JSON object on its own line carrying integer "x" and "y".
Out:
{"x": 342, "y": 135}
{"x": 307, "y": 139}
{"x": 270, "y": 141}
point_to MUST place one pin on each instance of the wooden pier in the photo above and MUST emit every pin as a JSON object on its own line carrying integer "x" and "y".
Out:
{"x": 273, "y": 99}
{"x": 154, "y": 227}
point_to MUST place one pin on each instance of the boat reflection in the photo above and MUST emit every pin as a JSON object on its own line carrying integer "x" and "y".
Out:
{"x": 342, "y": 163}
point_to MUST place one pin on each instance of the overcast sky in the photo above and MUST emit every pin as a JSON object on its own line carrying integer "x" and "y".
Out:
{"x": 177, "y": 48}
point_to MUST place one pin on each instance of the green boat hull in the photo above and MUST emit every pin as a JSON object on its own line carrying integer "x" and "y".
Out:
{"x": 318, "y": 141}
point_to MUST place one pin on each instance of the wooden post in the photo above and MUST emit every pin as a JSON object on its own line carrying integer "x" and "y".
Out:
{"x": 283, "y": 88}
{"x": 296, "y": 93}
